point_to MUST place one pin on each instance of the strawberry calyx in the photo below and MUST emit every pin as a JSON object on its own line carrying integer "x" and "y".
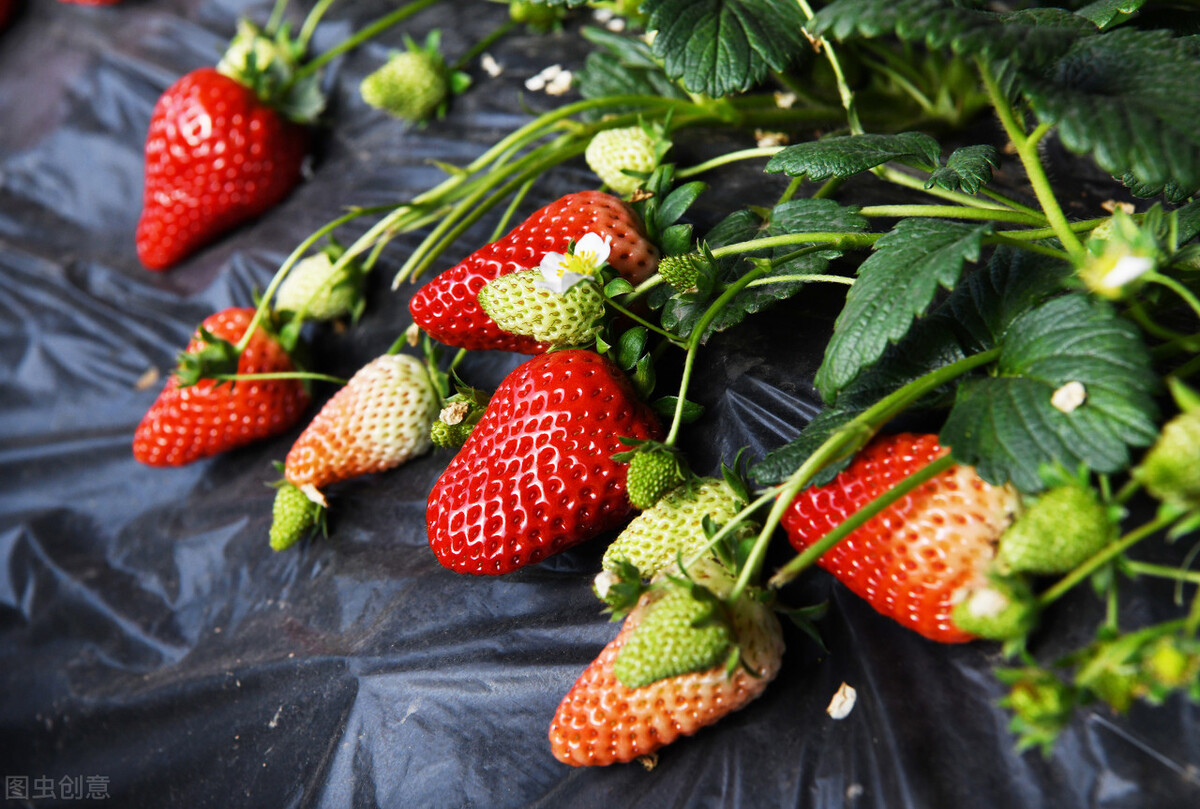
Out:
{"x": 217, "y": 359}
{"x": 458, "y": 416}
{"x": 619, "y": 586}
{"x": 268, "y": 63}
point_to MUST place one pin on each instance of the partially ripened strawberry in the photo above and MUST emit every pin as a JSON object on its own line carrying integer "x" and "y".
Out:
{"x": 447, "y": 307}
{"x": 379, "y": 420}
{"x": 519, "y": 306}
{"x": 674, "y": 525}
{"x": 602, "y": 721}
{"x": 536, "y": 475}
{"x": 225, "y": 145}
{"x": 190, "y": 422}
{"x": 913, "y": 561}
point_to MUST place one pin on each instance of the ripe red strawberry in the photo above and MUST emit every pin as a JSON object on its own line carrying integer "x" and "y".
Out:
{"x": 226, "y": 144}
{"x": 188, "y": 423}
{"x": 216, "y": 157}
{"x": 536, "y": 475}
{"x": 379, "y": 420}
{"x": 601, "y": 721}
{"x": 914, "y": 560}
{"x": 447, "y": 308}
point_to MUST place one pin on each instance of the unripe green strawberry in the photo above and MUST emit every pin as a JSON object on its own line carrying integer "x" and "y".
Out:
{"x": 519, "y": 306}
{"x": 1041, "y": 704}
{"x": 320, "y": 292}
{"x": 651, "y": 475}
{"x": 680, "y": 271}
{"x": 450, "y": 436}
{"x": 1170, "y": 471}
{"x": 416, "y": 83}
{"x": 1002, "y": 609}
{"x": 673, "y": 526}
{"x": 1166, "y": 665}
{"x": 538, "y": 16}
{"x": 684, "y": 630}
{"x": 1061, "y": 529}
{"x": 611, "y": 152}
{"x": 410, "y": 85}
{"x": 293, "y": 515}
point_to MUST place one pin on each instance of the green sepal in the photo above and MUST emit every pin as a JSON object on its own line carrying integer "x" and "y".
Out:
{"x": 218, "y": 357}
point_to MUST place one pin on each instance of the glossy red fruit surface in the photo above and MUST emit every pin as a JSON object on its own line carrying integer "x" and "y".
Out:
{"x": 447, "y": 308}
{"x": 188, "y": 423}
{"x": 216, "y": 157}
{"x": 536, "y": 475}
{"x": 911, "y": 561}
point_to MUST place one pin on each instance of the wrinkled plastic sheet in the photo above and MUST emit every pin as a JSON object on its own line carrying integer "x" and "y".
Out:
{"x": 152, "y": 644}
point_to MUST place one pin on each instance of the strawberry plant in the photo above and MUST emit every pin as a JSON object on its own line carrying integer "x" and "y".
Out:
{"x": 1030, "y": 336}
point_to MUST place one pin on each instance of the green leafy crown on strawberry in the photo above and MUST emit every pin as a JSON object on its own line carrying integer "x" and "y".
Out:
{"x": 268, "y": 64}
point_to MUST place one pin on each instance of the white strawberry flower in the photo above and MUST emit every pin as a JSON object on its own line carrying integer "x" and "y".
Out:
{"x": 561, "y": 272}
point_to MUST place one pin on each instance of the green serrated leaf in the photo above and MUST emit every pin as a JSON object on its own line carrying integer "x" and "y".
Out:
{"x": 718, "y": 47}
{"x": 846, "y": 155}
{"x": 968, "y": 169}
{"x": 1029, "y": 36}
{"x": 625, "y": 65}
{"x": 1130, "y": 99}
{"x": 1006, "y": 426}
{"x": 895, "y": 285}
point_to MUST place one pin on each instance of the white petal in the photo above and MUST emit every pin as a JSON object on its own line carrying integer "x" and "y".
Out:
{"x": 551, "y": 262}
{"x": 594, "y": 244}
{"x": 560, "y": 284}
{"x": 1127, "y": 269}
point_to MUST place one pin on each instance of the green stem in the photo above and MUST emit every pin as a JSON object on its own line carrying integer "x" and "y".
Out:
{"x": 829, "y": 188}
{"x": 511, "y": 210}
{"x": 846, "y": 240}
{"x": 1163, "y": 572}
{"x": 1027, "y": 150}
{"x": 1037, "y": 234}
{"x": 844, "y": 91}
{"x": 301, "y": 249}
{"x": 900, "y": 178}
{"x": 1103, "y": 557}
{"x": 643, "y": 322}
{"x": 726, "y": 159}
{"x": 695, "y": 339}
{"x": 1127, "y": 491}
{"x": 859, "y": 518}
{"x": 1032, "y": 247}
{"x": 792, "y": 189}
{"x": 310, "y": 23}
{"x": 276, "y": 18}
{"x": 952, "y": 212}
{"x": 483, "y": 44}
{"x": 1009, "y": 202}
{"x": 278, "y": 375}
{"x": 781, "y": 279}
{"x": 1175, "y": 286}
{"x": 350, "y": 43}
{"x": 731, "y": 526}
{"x": 1188, "y": 368}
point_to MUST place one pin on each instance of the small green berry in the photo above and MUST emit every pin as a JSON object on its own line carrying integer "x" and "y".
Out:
{"x": 412, "y": 85}
{"x": 316, "y": 289}
{"x": 293, "y": 516}
{"x": 1170, "y": 470}
{"x": 651, "y": 475}
{"x": 680, "y": 271}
